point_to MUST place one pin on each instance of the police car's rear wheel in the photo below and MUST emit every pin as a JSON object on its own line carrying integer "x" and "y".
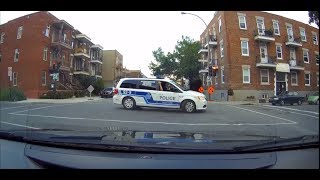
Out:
{"x": 189, "y": 106}
{"x": 128, "y": 103}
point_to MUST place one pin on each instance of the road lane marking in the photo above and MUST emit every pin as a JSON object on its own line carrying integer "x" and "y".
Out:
{"x": 19, "y": 125}
{"x": 292, "y": 109}
{"x": 293, "y": 112}
{"x": 292, "y": 122}
{"x": 156, "y": 122}
{"x": 38, "y": 108}
{"x": 14, "y": 107}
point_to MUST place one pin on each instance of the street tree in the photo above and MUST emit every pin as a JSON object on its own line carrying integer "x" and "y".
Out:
{"x": 314, "y": 17}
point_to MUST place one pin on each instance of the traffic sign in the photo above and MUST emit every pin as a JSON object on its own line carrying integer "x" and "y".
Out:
{"x": 90, "y": 88}
{"x": 201, "y": 89}
{"x": 211, "y": 90}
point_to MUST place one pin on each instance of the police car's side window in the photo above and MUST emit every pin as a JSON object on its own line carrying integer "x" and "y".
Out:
{"x": 147, "y": 84}
{"x": 129, "y": 84}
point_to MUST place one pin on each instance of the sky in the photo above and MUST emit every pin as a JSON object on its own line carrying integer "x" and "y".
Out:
{"x": 136, "y": 34}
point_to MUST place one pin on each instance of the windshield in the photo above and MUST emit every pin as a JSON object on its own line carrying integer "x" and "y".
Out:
{"x": 58, "y": 70}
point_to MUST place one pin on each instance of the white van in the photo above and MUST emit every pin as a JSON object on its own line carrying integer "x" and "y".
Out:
{"x": 146, "y": 92}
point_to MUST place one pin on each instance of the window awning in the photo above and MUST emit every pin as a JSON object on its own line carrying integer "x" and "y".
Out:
{"x": 283, "y": 67}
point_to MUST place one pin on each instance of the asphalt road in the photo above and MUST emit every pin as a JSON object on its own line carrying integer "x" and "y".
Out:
{"x": 220, "y": 118}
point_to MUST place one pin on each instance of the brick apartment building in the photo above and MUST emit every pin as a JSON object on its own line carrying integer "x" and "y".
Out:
{"x": 260, "y": 54}
{"x": 36, "y": 44}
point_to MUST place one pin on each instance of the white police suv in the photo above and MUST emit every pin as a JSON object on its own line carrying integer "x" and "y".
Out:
{"x": 146, "y": 92}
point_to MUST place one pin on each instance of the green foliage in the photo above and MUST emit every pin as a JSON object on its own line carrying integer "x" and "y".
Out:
{"x": 98, "y": 86}
{"x": 86, "y": 81}
{"x": 182, "y": 62}
{"x": 314, "y": 17}
{"x": 57, "y": 95}
{"x": 12, "y": 94}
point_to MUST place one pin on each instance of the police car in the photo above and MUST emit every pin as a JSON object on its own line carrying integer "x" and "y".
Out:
{"x": 146, "y": 92}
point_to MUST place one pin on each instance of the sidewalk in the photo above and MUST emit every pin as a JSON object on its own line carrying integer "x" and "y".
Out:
{"x": 57, "y": 101}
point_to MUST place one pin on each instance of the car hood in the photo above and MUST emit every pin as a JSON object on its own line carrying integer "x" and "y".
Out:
{"x": 193, "y": 93}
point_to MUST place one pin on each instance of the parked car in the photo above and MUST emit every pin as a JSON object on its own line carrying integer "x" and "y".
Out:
{"x": 107, "y": 92}
{"x": 287, "y": 97}
{"x": 314, "y": 98}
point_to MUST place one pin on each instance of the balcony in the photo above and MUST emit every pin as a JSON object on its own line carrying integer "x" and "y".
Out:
{"x": 204, "y": 68}
{"x": 62, "y": 24}
{"x": 59, "y": 41}
{"x": 203, "y": 49}
{"x": 293, "y": 42}
{"x": 212, "y": 42}
{"x": 118, "y": 64}
{"x": 296, "y": 65}
{"x": 84, "y": 71}
{"x": 83, "y": 38}
{"x": 264, "y": 35}
{"x": 81, "y": 52}
{"x": 97, "y": 60}
{"x": 266, "y": 62}
{"x": 97, "y": 47}
{"x": 203, "y": 60}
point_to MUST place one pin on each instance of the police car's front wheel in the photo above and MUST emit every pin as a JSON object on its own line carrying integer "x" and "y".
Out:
{"x": 128, "y": 103}
{"x": 189, "y": 106}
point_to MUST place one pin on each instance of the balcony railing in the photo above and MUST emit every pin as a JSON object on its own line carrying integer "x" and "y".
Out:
{"x": 203, "y": 49}
{"x": 296, "y": 65}
{"x": 266, "y": 61}
{"x": 294, "y": 42}
{"x": 59, "y": 40}
{"x": 264, "y": 35}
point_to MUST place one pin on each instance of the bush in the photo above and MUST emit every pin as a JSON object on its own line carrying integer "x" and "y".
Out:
{"x": 80, "y": 93}
{"x": 12, "y": 94}
{"x": 98, "y": 86}
{"x": 57, "y": 95}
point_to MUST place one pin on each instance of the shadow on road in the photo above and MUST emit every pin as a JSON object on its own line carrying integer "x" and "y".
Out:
{"x": 150, "y": 109}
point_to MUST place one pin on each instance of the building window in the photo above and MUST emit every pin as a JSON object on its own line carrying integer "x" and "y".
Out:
{"x": 0, "y": 56}
{"x": 244, "y": 48}
{"x": 222, "y": 75}
{"x": 305, "y": 56}
{"x": 16, "y": 55}
{"x": 47, "y": 32}
{"x": 317, "y": 58}
{"x": 19, "y": 34}
{"x": 307, "y": 79}
{"x": 221, "y": 49}
{"x": 303, "y": 34}
{"x": 265, "y": 96}
{"x": 294, "y": 78}
{"x": 276, "y": 29}
{"x": 261, "y": 27}
{"x": 246, "y": 74}
{"x": 220, "y": 25}
{"x": 317, "y": 79}
{"x": 264, "y": 74}
{"x": 279, "y": 52}
{"x": 314, "y": 38}
{"x": 290, "y": 33}
{"x": 63, "y": 60}
{"x": 242, "y": 22}
{"x": 45, "y": 53}
{"x": 2, "y": 37}
{"x": 15, "y": 79}
{"x": 44, "y": 78}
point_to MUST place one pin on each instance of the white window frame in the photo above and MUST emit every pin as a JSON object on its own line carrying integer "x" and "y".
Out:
{"x": 19, "y": 33}
{"x": 222, "y": 74}
{"x": 15, "y": 79}
{"x": 16, "y": 51}
{"x": 2, "y": 37}
{"x": 317, "y": 79}
{"x": 264, "y": 83}
{"x": 303, "y": 34}
{"x": 220, "y": 25}
{"x": 245, "y": 23}
{"x": 47, "y": 31}
{"x": 244, "y": 41}
{"x": 246, "y": 68}
{"x": 221, "y": 49}
{"x": 314, "y": 34}
{"x": 303, "y": 51}
{"x": 315, "y": 57}
{"x": 296, "y": 77}
{"x": 45, "y": 54}
{"x": 45, "y": 78}
{"x": 278, "y": 46}
{"x": 305, "y": 73}
{"x": 273, "y": 25}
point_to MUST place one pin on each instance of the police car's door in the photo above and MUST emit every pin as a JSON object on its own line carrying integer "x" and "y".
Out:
{"x": 168, "y": 98}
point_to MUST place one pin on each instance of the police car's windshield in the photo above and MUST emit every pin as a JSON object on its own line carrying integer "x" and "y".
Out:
{"x": 178, "y": 85}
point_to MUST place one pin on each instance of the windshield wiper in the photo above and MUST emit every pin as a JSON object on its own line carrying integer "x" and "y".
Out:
{"x": 307, "y": 141}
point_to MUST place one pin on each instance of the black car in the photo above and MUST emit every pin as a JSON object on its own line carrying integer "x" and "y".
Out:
{"x": 107, "y": 92}
{"x": 287, "y": 97}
